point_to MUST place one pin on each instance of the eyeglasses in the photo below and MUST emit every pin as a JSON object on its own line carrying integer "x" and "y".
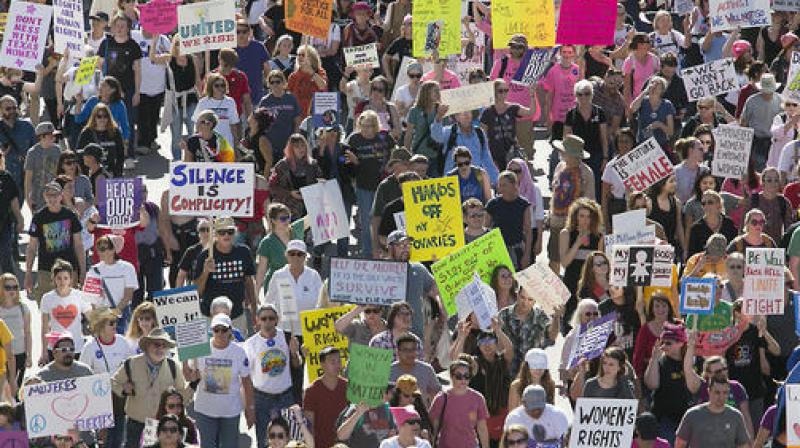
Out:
{"x": 757, "y": 222}
{"x": 476, "y": 215}
{"x": 583, "y": 94}
{"x": 10, "y": 287}
{"x": 517, "y": 442}
{"x": 203, "y": 229}
{"x": 462, "y": 376}
{"x": 296, "y": 253}
{"x": 101, "y": 116}
{"x": 277, "y": 435}
{"x": 275, "y": 82}
{"x": 170, "y": 429}
{"x": 735, "y": 266}
{"x": 220, "y": 329}
{"x": 64, "y": 350}
{"x": 709, "y": 202}
{"x": 591, "y": 313}
{"x": 174, "y": 406}
{"x": 415, "y": 75}
{"x": 266, "y": 318}
{"x": 502, "y": 90}
{"x": 413, "y": 421}
{"x": 463, "y": 164}
{"x": 372, "y": 311}
{"x": 223, "y": 232}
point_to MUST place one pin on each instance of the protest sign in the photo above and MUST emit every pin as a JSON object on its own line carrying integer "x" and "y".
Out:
{"x": 479, "y": 298}
{"x": 309, "y": 17}
{"x": 533, "y": 65}
{"x": 119, "y": 201}
{"x": 544, "y": 286}
{"x": 469, "y": 97}
{"x": 535, "y": 19}
{"x": 443, "y": 13}
{"x": 368, "y": 374}
{"x": 325, "y": 109}
{"x": 86, "y": 70}
{"x": 720, "y": 319}
{"x": 158, "y": 16}
{"x": 786, "y": 5}
{"x": 643, "y": 166}
{"x": 682, "y": 7}
{"x": 318, "y": 333}
{"x": 176, "y": 306}
{"x": 731, "y": 151}
{"x": 454, "y": 271}
{"x": 92, "y": 290}
{"x": 710, "y": 79}
{"x": 644, "y": 265}
{"x": 362, "y": 56}
{"x": 68, "y": 29}
{"x": 792, "y": 415}
{"x": 3, "y": 21}
{"x": 325, "y": 206}
{"x": 211, "y": 189}
{"x": 14, "y": 439}
{"x": 591, "y": 339}
{"x": 792, "y": 88}
{"x": 697, "y": 295}
{"x": 287, "y": 306}
{"x": 603, "y": 422}
{"x": 727, "y": 15}
{"x": 150, "y": 433}
{"x": 763, "y": 281}
{"x": 368, "y": 282}
{"x": 626, "y": 221}
{"x": 209, "y": 25}
{"x": 796, "y": 302}
{"x": 400, "y": 220}
{"x": 25, "y": 39}
{"x": 192, "y": 339}
{"x": 56, "y": 407}
{"x": 645, "y": 235}
{"x": 586, "y": 22}
{"x": 433, "y": 217}
{"x": 717, "y": 342}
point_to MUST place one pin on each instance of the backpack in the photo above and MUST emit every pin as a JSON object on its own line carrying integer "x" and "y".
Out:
{"x": 173, "y": 369}
{"x": 451, "y": 142}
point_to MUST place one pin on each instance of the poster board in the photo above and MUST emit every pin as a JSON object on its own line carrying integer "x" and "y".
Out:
{"x": 763, "y": 292}
{"x": 586, "y": 22}
{"x": 176, "y": 306}
{"x": 208, "y": 25}
{"x": 468, "y": 97}
{"x": 445, "y": 14}
{"x": 536, "y": 19}
{"x": 697, "y": 295}
{"x": 318, "y": 332}
{"x": 309, "y": 17}
{"x": 533, "y": 65}
{"x": 368, "y": 374}
{"x": 726, "y": 15}
{"x": 192, "y": 339}
{"x": 731, "y": 151}
{"x": 642, "y": 265}
{"x": 56, "y": 407}
{"x": 119, "y": 201}
{"x": 325, "y": 207}
{"x": 710, "y": 79}
{"x": 367, "y": 282}
{"x": 433, "y": 217}
{"x": 25, "y": 37}
{"x": 792, "y": 415}
{"x": 158, "y": 16}
{"x": 643, "y": 166}
{"x": 211, "y": 189}
{"x": 544, "y": 286}
{"x": 479, "y": 298}
{"x": 603, "y": 422}
{"x": 68, "y": 27}
{"x": 362, "y": 56}
{"x": 592, "y": 338}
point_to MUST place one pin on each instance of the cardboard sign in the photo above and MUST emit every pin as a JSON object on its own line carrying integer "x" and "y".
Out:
{"x": 362, "y": 56}
{"x": 642, "y": 265}
{"x": 697, "y": 295}
{"x": 119, "y": 201}
{"x": 533, "y": 65}
{"x": 792, "y": 415}
{"x": 710, "y": 79}
{"x": 433, "y": 217}
{"x": 325, "y": 109}
{"x": 176, "y": 306}
{"x": 643, "y": 166}
{"x": 731, "y": 151}
{"x": 785, "y": 5}
{"x": 603, "y": 422}
{"x": 469, "y": 97}
{"x": 479, "y": 298}
{"x": 211, "y": 189}
{"x": 318, "y": 333}
{"x": 592, "y": 339}
{"x": 368, "y": 374}
{"x": 645, "y": 235}
{"x": 368, "y": 282}
{"x": 325, "y": 206}
{"x": 57, "y": 407}
{"x": 25, "y": 41}
{"x": 535, "y": 19}
{"x": 544, "y": 286}
{"x": 586, "y": 22}
{"x": 763, "y": 281}
{"x": 287, "y": 306}
{"x": 309, "y": 17}
{"x": 68, "y": 27}
{"x": 454, "y": 272}
{"x": 792, "y": 88}
{"x": 209, "y": 25}
{"x": 446, "y": 14}
{"x": 158, "y": 16}
{"x": 150, "y": 433}
{"x": 727, "y": 15}
{"x": 192, "y": 339}
{"x": 86, "y": 70}
{"x": 717, "y": 342}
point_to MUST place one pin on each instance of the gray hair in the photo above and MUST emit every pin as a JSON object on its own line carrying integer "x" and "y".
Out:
{"x": 221, "y": 301}
{"x": 582, "y": 85}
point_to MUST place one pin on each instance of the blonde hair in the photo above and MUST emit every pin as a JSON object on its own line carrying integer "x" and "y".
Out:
{"x": 134, "y": 332}
{"x": 211, "y": 78}
{"x": 311, "y": 55}
{"x": 368, "y": 115}
{"x": 3, "y": 279}
{"x": 424, "y": 100}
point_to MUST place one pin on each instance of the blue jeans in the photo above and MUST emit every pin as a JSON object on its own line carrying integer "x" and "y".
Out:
{"x": 115, "y": 435}
{"x": 364, "y": 200}
{"x": 267, "y": 408}
{"x": 133, "y": 433}
{"x": 667, "y": 429}
{"x": 181, "y": 117}
{"x": 131, "y": 125}
{"x": 222, "y": 432}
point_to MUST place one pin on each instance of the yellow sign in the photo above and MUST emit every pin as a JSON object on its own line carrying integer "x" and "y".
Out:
{"x": 437, "y": 23}
{"x": 433, "y": 217}
{"x": 86, "y": 70}
{"x": 318, "y": 333}
{"x": 3, "y": 20}
{"x": 535, "y": 19}
{"x": 311, "y": 17}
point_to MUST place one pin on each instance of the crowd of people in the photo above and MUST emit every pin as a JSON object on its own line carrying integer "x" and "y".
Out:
{"x": 254, "y": 103}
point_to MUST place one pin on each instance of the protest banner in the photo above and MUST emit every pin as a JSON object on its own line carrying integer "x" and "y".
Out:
{"x": 325, "y": 109}
{"x": 447, "y": 13}
{"x": 786, "y": 5}
{"x": 14, "y": 439}
{"x": 682, "y": 7}
{"x": 642, "y": 265}
{"x": 362, "y": 56}
{"x": 119, "y": 201}
{"x": 68, "y": 29}
{"x": 544, "y": 286}
{"x": 211, "y": 189}
{"x": 533, "y": 65}
{"x": 325, "y": 206}
{"x": 643, "y": 166}
{"x": 150, "y": 433}
{"x": 719, "y": 319}
{"x": 792, "y": 88}
{"x": 92, "y": 290}
{"x": 586, "y": 22}
{"x": 176, "y": 306}
{"x": 368, "y": 374}
{"x": 469, "y": 97}
{"x": 535, "y": 19}
{"x": 479, "y": 298}
{"x": 763, "y": 281}
{"x": 433, "y": 217}
{"x": 710, "y": 79}
{"x": 86, "y": 70}
{"x": 717, "y": 342}
{"x": 603, "y": 422}
{"x": 318, "y": 333}
{"x": 697, "y": 295}
{"x": 192, "y": 339}
{"x": 645, "y": 235}
{"x": 287, "y": 306}
{"x": 56, "y": 407}
{"x": 158, "y": 16}
{"x": 309, "y": 17}
{"x": 792, "y": 415}
{"x": 25, "y": 40}
{"x": 728, "y": 15}
{"x": 454, "y": 271}
{"x": 591, "y": 339}
{"x": 367, "y": 282}
{"x": 209, "y": 25}
{"x": 731, "y": 151}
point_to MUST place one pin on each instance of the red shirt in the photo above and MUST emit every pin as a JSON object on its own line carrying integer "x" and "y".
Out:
{"x": 237, "y": 86}
{"x": 303, "y": 88}
{"x": 792, "y": 193}
{"x": 326, "y": 405}
{"x": 129, "y": 251}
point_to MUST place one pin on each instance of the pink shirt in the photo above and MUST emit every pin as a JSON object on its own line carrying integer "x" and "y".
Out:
{"x": 561, "y": 82}
{"x": 449, "y": 79}
{"x": 641, "y": 72}
{"x": 517, "y": 93}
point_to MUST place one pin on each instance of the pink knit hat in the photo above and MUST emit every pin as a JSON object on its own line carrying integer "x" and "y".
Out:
{"x": 403, "y": 414}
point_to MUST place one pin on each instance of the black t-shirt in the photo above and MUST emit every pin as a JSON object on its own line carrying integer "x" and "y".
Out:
{"x": 190, "y": 256}
{"x": 8, "y": 192}
{"x": 372, "y": 157}
{"x": 672, "y": 398}
{"x": 399, "y": 47}
{"x": 118, "y": 59}
{"x": 501, "y": 130}
{"x": 387, "y": 224}
{"x": 56, "y": 233}
{"x": 744, "y": 362}
{"x": 627, "y": 325}
{"x": 228, "y": 280}
{"x": 508, "y": 216}
{"x": 184, "y": 78}
{"x": 14, "y": 90}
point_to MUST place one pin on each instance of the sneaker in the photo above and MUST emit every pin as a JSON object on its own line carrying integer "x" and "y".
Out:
{"x": 130, "y": 163}
{"x": 142, "y": 150}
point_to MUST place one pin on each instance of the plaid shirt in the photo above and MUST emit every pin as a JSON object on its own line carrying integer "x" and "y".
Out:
{"x": 532, "y": 332}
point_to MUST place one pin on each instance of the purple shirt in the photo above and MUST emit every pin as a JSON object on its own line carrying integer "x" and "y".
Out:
{"x": 736, "y": 396}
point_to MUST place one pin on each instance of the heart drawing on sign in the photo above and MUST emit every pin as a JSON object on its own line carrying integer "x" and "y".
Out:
{"x": 70, "y": 407}
{"x": 797, "y": 429}
{"x": 65, "y": 315}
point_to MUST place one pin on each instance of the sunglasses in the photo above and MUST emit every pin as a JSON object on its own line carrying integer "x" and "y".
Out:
{"x": 268, "y": 318}
{"x": 462, "y": 376}
{"x": 159, "y": 344}
{"x": 757, "y": 222}
{"x": 203, "y": 229}
{"x": 224, "y": 232}
{"x": 277, "y": 435}
{"x": 174, "y": 406}
{"x": 101, "y": 116}
{"x": 11, "y": 287}
{"x": 170, "y": 429}
{"x": 64, "y": 350}
{"x": 295, "y": 253}
{"x": 415, "y": 75}
{"x": 502, "y": 90}
{"x": 517, "y": 47}
{"x": 735, "y": 266}
{"x": 463, "y": 164}
{"x": 275, "y": 82}
{"x": 284, "y": 218}
{"x": 372, "y": 311}
{"x": 70, "y": 162}
{"x": 476, "y": 215}
{"x": 220, "y": 329}
{"x": 206, "y": 122}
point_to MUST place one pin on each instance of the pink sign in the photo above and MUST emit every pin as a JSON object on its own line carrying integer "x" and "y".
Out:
{"x": 586, "y": 22}
{"x": 158, "y": 16}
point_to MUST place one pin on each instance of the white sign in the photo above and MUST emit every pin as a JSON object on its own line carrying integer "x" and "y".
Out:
{"x": 400, "y": 220}
{"x": 290, "y": 319}
{"x": 211, "y": 189}
{"x": 544, "y": 286}
{"x": 630, "y": 220}
{"x": 362, "y": 56}
{"x": 785, "y": 5}
{"x": 368, "y": 282}
{"x": 763, "y": 281}
{"x": 603, "y": 422}
{"x": 469, "y": 97}
{"x": 728, "y": 15}
{"x": 57, "y": 407}
{"x": 792, "y": 88}
{"x": 644, "y": 235}
{"x": 731, "y": 151}
{"x": 710, "y": 79}
{"x": 642, "y": 265}
{"x": 175, "y": 306}
{"x": 479, "y": 298}
{"x": 792, "y": 414}
{"x": 643, "y": 166}
{"x": 68, "y": 27}
{"x": 208, "y": 25}
{"x": 25, "y": 36}
{"x": 329, "y": 220}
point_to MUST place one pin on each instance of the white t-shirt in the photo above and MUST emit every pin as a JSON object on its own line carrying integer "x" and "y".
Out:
{"x": 392, "y": 442}
{"x": 65, "y": 313}
{"x": 554, "y": 421}
{"x": 118, "y": 277}
{"x": 269, "y": 362}
{"x": 671, "y": 42}
{"x": 404, "y": 97}
{"x": 226, "y": 114}
{"x": 257, "y": 10}
{"x": 218, "y": 394}
{"x": 790, "y": 156}
{"x": 106, "y": 358}
{"x": 305, "y": 289}
{"x": 154, "y": 76}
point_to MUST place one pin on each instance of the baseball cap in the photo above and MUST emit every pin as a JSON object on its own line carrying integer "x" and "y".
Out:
{"x": 221, "y": 320}
{"x": 536, "y": 358}
{"x": 44, "y": 128}
{"x": 53, "y": 186}
{"x": 296, "y": 245}
{"x": 534, "y": 397}
{"x": 99, "y": 16}
{"x": 396, "y": 236}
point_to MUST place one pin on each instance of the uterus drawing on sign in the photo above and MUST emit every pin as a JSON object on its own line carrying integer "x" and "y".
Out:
{"x": 443, "y": 225}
